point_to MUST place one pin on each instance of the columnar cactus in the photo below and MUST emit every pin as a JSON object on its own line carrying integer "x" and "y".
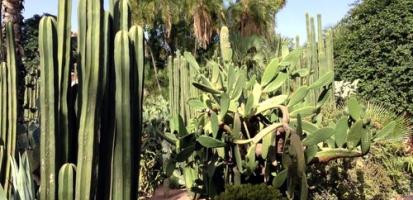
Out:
{"x": 104, "y": 88}
{"x": 8, "y": 109}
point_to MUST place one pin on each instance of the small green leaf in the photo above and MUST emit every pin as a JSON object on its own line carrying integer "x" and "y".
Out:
{"x": 310, "y": 152}
{"x": 304, "y": 112}
{"x": 224, "y": 104}
{"x": 236, "y": 130}
{"x": 249, "y": 105}
{"x": 365, "y": 142}
{"x": 251, "y": 164}
{"x": 277, "y": 83}
{"x": 292, "y": 58}
{"x": 214, "y": 124}
{"x": 232, "y": 75}
{"x": 300, "y": 73}
{"x": 185, "y": 153}
{"x": 355, "y": 133}
{"x": 299, "y": 152}
{"x": 257, "y": 93}
{"x": 196, "y": 104}
{"x": 210, "y": 142}
{"x": 267, "y": 140}
{"x": 320, "y": 136}
{"x": 170, "y": 167}
{"x": 341, "y": 131}
{"x": 281, "y": 177}
{"x": 270, "y": 71}
{"x": 238, "y": 158}
{"x": 271, "y": 103}
{"x": 240, "y": 84}
{"x": 298, "y": 96}
{"x": 324, "y": 80}
{"x": 385, "y": 131}
{"x": 308, "y": 127}
{"x": 206, "y": 88}
{"x": 354, "y": 108}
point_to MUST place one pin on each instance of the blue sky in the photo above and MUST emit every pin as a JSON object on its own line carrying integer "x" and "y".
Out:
{"x": 290, "y": 20}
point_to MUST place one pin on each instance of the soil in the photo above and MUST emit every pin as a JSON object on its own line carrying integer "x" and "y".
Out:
{"x": 164, "y": 193}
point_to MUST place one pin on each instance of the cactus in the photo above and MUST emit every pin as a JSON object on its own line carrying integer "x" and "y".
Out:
{"x": 240, "y": 117}
{"x": 8, "y": 109}
{"x": 67, "y": 174}
{"x": 93, "y": 123}
{"x": 49, "y": 106}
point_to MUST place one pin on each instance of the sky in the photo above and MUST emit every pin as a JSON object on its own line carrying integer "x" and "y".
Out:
{"x": 290, "y": 20}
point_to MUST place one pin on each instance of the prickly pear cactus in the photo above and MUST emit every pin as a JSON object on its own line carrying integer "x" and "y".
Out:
{"x": 250, "y": 126}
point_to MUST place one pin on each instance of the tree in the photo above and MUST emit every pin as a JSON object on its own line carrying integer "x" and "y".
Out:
{"x": 12, "y": 12}
{"x": 374, "y": 43}
{"x": 255, "y": 17}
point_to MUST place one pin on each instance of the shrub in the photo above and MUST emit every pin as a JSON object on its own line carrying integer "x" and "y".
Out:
{"x": 374, "y": 43}
{"x": 250, "y": 192}
{"x": 382, "y": 176}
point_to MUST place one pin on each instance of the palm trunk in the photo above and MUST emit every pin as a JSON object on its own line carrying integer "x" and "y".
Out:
{"x": 12, "y": 12}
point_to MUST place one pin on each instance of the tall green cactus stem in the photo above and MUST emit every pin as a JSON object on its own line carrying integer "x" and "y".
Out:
{"x": 67, "y": 175}
{"x": 107, "y": 122}
{"x": 64, "y": 55}
{"x": 3, "y": 121}
{"x": 90, "y": 96}
{"x": 330, "y": 59}
{"x": 48, "y": 104}
{"x": 12, "y": 103}
{"x": 137, "y": 38}
{"x": 122, "y": 174}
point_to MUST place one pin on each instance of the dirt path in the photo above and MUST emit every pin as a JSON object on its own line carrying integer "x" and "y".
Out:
{"x": 163, "y": 193}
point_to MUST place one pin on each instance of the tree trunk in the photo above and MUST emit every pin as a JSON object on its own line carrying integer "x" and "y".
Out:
{"x": 12, "y": 12}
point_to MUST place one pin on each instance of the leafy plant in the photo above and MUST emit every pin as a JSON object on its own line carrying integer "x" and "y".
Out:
{"x": 263, "y": 127}
{"x": 155, "y": 116}
{"x": 378, "y": 29}
{"x": 250, "y": 192}
{"x": 23, "y": 184}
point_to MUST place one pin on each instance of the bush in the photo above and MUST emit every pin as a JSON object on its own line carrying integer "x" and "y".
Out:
{"x": 250, "y": 192}
{"x": 155, "y": 115}
{"x": 385, "y": 175}
{"x": 374, "y": 43}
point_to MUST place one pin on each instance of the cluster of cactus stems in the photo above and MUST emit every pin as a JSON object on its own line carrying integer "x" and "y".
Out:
{"x": 182, "y": 71}
{"x": 265, "y": 125}
{"x": 31, "y": 96}
{"x": 90, "y": 138}
{"x": 317, "y": 57}
{"x": 8, "y": 109}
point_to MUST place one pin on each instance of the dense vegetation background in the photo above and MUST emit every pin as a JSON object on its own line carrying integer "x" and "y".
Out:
{"x": 374, "y": 43}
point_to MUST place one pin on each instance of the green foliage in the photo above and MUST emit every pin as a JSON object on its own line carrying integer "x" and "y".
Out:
{"x": 250, "y": 192}
{"x": 382, "y": 176}
{"x": 23, "y": 184}
{"x": 238, "y": 122}
{"x": 374, "y": 44}
{"x": 155, "y": 116}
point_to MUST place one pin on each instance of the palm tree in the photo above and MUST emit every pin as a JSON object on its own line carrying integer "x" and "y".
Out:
{"x": 12, "y": 12}
{"x": 254, "y": 17}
